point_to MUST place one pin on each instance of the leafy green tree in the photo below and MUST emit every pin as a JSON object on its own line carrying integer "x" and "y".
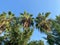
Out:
{"x": 18, "y": 30}
{"x": 54, "y": 37}
{"x": 36, "y": 43}
{"x": 42, "y": 22}
{"x": 14, "y": 34}
{"x": 26, "y": 19}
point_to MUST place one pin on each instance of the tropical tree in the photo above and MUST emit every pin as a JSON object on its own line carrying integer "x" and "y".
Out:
{"x": 4, "y": 21}
{"x": 42, "y": 22}
{"x": 40, "y": 42}
{"x": 13, "y": 34}
{"x": 54, "y": 37}
{"x": 26, "y": 19}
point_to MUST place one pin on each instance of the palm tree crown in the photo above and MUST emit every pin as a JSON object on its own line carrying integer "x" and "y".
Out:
{"x": 26, "y": 19}
{"x": 42, "y": 22}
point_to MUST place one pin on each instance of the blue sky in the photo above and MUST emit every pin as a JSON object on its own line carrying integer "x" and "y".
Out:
{"x": 33, "y": 7}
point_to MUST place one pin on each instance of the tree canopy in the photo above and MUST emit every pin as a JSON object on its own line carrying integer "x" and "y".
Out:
{"x": 18, "y": 30}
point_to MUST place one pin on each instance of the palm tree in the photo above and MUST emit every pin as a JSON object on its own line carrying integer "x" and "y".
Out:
{"x": 40, "y": 42}
{"x": 4, "y": 21}
{"x": 54, "y": 38}
{"x": 42, "y": 22}
{"x": 26, "y": 19}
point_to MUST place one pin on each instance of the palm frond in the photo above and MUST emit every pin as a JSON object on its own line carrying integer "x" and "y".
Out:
{"x": 47, "y": 14}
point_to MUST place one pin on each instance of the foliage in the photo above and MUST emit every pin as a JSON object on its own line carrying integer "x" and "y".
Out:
{"x": 42, "y": 22}
{"x": 36, "y": 43}
{"x": 54, "y": 37}
{"x": 18, "y": 30}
